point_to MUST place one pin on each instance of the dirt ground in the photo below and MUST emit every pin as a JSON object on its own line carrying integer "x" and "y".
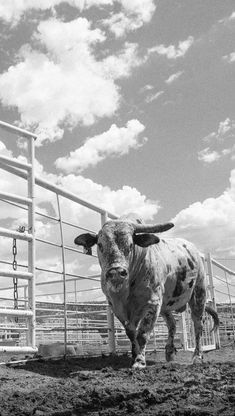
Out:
{"x": 107, "y": 386}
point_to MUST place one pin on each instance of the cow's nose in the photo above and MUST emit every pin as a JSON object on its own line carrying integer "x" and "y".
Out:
{"x": 116, "y": 272}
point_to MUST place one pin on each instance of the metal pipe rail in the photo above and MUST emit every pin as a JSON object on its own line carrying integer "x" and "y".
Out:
{"x": 18, "y": 275}
{"x": 13, "y": 129}
{"x": 20, "y": 350}
{"x": 222, "y": 280}
{"x": 222, "y": 267}
{"x": 15, "y": 198}
{"x": 4, "y": 232}
{"x": 16, "y": 312}
{"x": 58, "y": 190}
{"x": 50, "y": 217}
{"x": 15, "y": 163}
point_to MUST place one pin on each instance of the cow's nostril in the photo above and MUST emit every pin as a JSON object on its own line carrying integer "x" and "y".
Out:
{"x": 115, "y": 272}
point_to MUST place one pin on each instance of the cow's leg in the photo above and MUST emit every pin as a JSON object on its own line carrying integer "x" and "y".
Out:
{"x": 131, "y": 333}
{"x": 197, "y": 306}
{"x": 171, "y": 325}
{"x": 145, "y": 328}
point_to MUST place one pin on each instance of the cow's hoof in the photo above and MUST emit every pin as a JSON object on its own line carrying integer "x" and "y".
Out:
{"x": 170, "y": 353}
{"x": 197, "y": 359}
{"x": 139, "y": 364}
{"x": 170, "y": 357}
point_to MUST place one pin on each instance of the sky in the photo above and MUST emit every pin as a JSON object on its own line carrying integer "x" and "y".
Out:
{"x": 133, "y": 105}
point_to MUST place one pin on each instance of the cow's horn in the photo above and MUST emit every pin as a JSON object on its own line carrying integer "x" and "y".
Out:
{"x": 148, "y": 228}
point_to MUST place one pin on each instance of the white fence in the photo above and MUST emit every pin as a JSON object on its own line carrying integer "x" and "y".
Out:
{"x": 56, "y": 296}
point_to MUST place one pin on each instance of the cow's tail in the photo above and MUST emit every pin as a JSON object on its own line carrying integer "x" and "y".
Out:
{"x": 214, "y": 315}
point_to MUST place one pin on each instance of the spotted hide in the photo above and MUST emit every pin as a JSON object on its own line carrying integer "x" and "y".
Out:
{"x": 143, "y": 276}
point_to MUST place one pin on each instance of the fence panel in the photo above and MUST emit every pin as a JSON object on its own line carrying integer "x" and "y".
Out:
{"x": 21, "y": 317}
{"x": 224, "y": 293}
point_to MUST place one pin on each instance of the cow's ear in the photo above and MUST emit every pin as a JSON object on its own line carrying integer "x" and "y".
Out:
{"x": 86, "y": 240}
{"x": 145, "y": 240}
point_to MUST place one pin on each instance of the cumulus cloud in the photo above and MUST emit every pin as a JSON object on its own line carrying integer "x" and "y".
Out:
{"x": 133, "y": 13}
{"x": 208, "y": 156}
{"x": 122, "y": 63}
{"x": 173, "y": 77}
{"x": 224, "y": 133}
{"x": 153, "y": 97}
{"x": 210, "y": 224}
{"x": 120, "y": 201}
{"x": 171, "y": 51}
{"x": 147, "y": 87}
{"x": 67, "y": 85}
{"x": 117, "y": 141}
{"x": 12, "y": 10}
{"x": 226, "y": 129}
{"x": 230, "y": 57}
{"x": 132, "y": 16}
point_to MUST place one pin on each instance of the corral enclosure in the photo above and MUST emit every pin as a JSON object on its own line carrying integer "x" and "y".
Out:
{"x": 50, "y": 290}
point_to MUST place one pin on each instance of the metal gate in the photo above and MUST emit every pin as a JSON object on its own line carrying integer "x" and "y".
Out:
{"x": 23, "y": 313}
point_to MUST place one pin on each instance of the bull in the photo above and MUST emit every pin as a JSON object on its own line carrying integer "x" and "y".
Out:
{"x": 143, "y": 275}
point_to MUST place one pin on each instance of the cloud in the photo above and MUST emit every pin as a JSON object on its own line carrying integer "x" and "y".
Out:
{"x": 229, "y": 58}
{"x": 172, "y": 52}
{"x": 208, "y": 156}
{"x": 117, "y": 141}
{"x": 173, "y": 77}
{"x": 147, "y": 87}
{"x": 225, "y": 132}
{"x": 210, "y": 224}
{"x": 133, "y": 15}
{"x": 226, "y": 129}
{"x": 120, "y": 201}
{"x": 65, "y": 86}
{"x": 153, "y": 97}
{"x": 12, "y": 10}
{"x": 121, "y": 65}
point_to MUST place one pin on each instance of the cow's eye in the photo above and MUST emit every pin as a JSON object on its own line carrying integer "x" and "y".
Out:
{"x": 100, "y": 247}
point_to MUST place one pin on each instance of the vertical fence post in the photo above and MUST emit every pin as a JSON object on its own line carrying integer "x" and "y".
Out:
{"x": 110, "y": 316}
{"x": 212, "y": 291}
{"x": 31, "y": 244}
{"x": 75, "y": 291}
{"x": 64, "y": 276}
{"x": 231, "y": 305}
{"x": 184, "y": 338}
{"x": 154, "y": 339}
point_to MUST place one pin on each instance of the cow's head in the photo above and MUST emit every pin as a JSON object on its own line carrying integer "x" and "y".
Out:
{"x": 115, "y": 245}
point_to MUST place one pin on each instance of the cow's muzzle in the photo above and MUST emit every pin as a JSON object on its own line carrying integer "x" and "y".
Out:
{"x": 115, "y": 278}
{"x": 116, "y": 272}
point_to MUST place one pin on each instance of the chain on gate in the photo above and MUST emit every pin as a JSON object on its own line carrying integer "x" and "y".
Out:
{"x": 21, "y": 229}
{"x": 15, "y": 280}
